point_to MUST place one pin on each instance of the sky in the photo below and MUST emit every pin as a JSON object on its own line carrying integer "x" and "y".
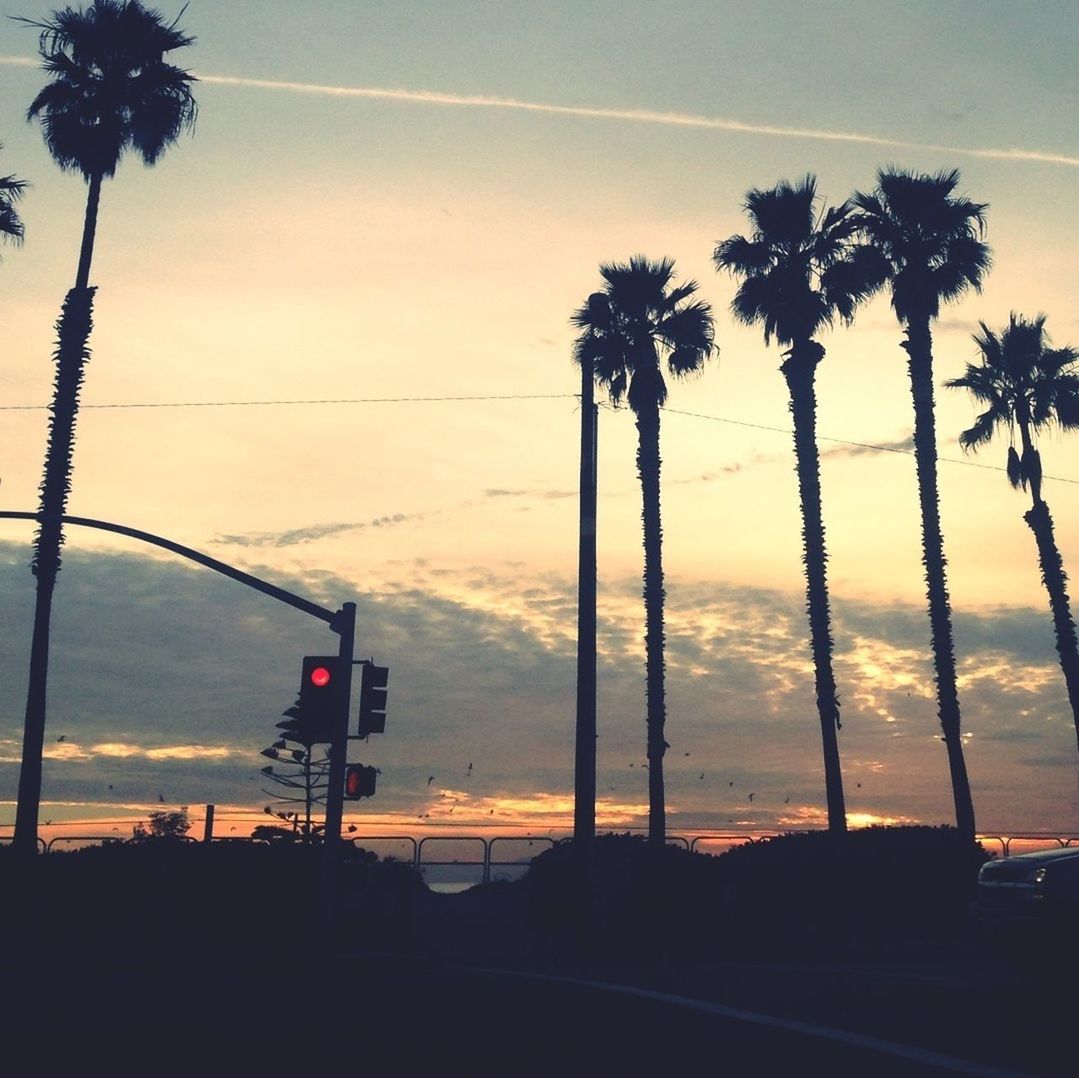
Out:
{"x": 397, "y": 208}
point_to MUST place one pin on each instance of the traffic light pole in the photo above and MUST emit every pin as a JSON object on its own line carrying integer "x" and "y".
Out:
{"x": 341, "y": 621}
{"x": 335, "y": 794}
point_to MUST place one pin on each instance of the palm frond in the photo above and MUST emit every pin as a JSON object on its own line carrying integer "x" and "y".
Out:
{"x": 1015, "y": 468}
{"x": 111, "y": 89}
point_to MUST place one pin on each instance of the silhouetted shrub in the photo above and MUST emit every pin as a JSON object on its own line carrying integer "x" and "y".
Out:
{"x": 796, "y": 894}
{"x": 870, "y": 887}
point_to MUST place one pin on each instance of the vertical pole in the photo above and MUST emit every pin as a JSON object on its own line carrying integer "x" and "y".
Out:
{"x": 208, "y": 830}
{"x": 584, "y": 805}
{"x": 345, "y": 624}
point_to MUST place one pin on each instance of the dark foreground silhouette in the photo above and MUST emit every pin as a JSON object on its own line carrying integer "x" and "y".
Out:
{"x": 864, "y": 932}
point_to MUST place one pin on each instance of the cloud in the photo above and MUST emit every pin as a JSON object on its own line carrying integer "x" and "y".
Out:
{"x": 298, "y": 536}
{"x": 167, "y": 681}
{"x": 622, "y": 115}
{"x": 859, "y": 449}
{"x": 546, "y": 495}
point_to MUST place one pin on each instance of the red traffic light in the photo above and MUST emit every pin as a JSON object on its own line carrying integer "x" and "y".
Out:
{"x": 320, "y": 676}
{"x": 359, "y": 782}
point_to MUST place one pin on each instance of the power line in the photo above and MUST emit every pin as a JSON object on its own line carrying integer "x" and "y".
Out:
{"x": 327, "y": 400}
{"x": 498, "y": 397}
{"x": 859, "y": 445}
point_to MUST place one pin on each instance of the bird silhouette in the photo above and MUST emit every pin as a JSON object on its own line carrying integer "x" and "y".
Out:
{"x": 110, "y": 785}
{"x": 62, "y": 737}
{"x": 685, "y": 753}
{"x": 751, "y": 797}
{"x": 731, "y": 783}
{"x": 430, "y": 779}
{"x": 786, "y": 801}
{"x": 161, "y": 798}
{"x": 470, "y": 766}
{"x": 702, "y": 776}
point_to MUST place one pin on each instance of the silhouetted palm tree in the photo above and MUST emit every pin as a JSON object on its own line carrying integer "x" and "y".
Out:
{"x": 801, "y": 270}
{"x": 930, "y": 243}
{"x": 646, "y": 316}
{"x": 11, "y": 191}
{"x": 111, "y": 91}
{"x": 1027, "y": 386}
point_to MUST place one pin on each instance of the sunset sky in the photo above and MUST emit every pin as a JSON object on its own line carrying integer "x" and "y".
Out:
{"x": 384, "y": 202}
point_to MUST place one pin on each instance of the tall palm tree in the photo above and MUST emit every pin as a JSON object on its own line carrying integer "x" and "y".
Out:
{"x": 931, "y": 244}
{"x": 800, "y": 271}
{"x": 1028, "y": 386}
{"x": 11, "y": 191}
{"x": 647, "y": 320}
{"x": 111, "y": 91}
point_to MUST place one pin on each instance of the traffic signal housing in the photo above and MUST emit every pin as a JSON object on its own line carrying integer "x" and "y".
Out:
{"x": 373, "y": 694}
{"x": 310, "y": 721}
{"x": 359, "y": 781}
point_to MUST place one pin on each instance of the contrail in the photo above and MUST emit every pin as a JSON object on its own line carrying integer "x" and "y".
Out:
{"x": 641, "y": 116}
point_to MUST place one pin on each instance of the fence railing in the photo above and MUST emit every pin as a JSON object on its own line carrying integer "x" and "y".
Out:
{"x": 484, "y": 857}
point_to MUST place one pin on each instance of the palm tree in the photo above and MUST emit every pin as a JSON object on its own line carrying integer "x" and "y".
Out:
{"x": 801, "y": 270}
{"x": 1027, "y": 386}
{"x": 11, "y": 191}
{"x": 931, "y": 245}
{"x": 646, "y": 317}
{"x": 111, "y": 91}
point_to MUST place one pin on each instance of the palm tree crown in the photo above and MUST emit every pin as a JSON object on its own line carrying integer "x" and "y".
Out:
{"x": 112, "y": 89}
{"x": 1024, "y": 384}
{"x": 11, "y": 190}
{"x": 640, "y": 313}
{"x": 643, "y": 311}
{"x": 930, "y": 241}
{"x": 801, "y": 267}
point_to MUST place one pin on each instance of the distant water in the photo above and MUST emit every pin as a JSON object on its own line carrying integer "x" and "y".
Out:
{"x": 450, "y": 888}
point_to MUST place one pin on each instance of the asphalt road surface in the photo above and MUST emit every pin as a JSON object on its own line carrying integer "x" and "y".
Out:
{"x": 401, "y": 1016}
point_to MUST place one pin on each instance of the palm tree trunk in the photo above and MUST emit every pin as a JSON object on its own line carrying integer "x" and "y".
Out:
{"x": 1056, "y": 584}
{"x": 800, "y": 370}
{"x": 919, "y": 348}
{"x": 648, "y": 469}
{"x": 89, "y": 231}
{"x": 73, "y": 331}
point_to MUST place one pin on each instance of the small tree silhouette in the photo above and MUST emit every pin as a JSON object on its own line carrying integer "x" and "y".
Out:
{"x": 306, "y": 777}
{"x": 163, "y": 826}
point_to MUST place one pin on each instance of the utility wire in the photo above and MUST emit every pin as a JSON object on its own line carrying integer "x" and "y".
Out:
{"x": 503, "y": 397}
{"x": 335, "y": 400}
{"x": 859, "y": 445}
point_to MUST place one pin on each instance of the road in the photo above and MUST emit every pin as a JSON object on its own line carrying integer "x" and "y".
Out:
{"x": 419, "y": 1016}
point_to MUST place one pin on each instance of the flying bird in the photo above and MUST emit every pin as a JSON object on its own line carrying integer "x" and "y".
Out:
{"x": 62, "y": 737}
{"x": 751, "y": 797}
{"x": 470, "y": 766}
{"x": 702, "y": 776}
{"x": 430, "y": 779}
{"x": 731, "y": 783}
{"x": 786, "y": 801}
{"x": 161, "y": 798}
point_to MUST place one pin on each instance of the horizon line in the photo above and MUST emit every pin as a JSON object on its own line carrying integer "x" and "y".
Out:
{"x": 629, "y": 115}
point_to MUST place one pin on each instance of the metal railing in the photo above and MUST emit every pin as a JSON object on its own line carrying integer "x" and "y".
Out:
{"x": 486, "y": 862}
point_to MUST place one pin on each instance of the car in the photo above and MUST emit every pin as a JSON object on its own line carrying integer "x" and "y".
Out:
{"x": 1030, "y": 896}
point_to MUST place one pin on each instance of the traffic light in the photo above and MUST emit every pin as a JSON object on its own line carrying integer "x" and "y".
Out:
{"x": 373, "y": 693}
{"x": 310, "y": 720}
{"x": 359, "y": 782}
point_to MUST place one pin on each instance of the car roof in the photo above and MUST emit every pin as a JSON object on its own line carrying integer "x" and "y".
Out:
{"x": 1056, "y": 854}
